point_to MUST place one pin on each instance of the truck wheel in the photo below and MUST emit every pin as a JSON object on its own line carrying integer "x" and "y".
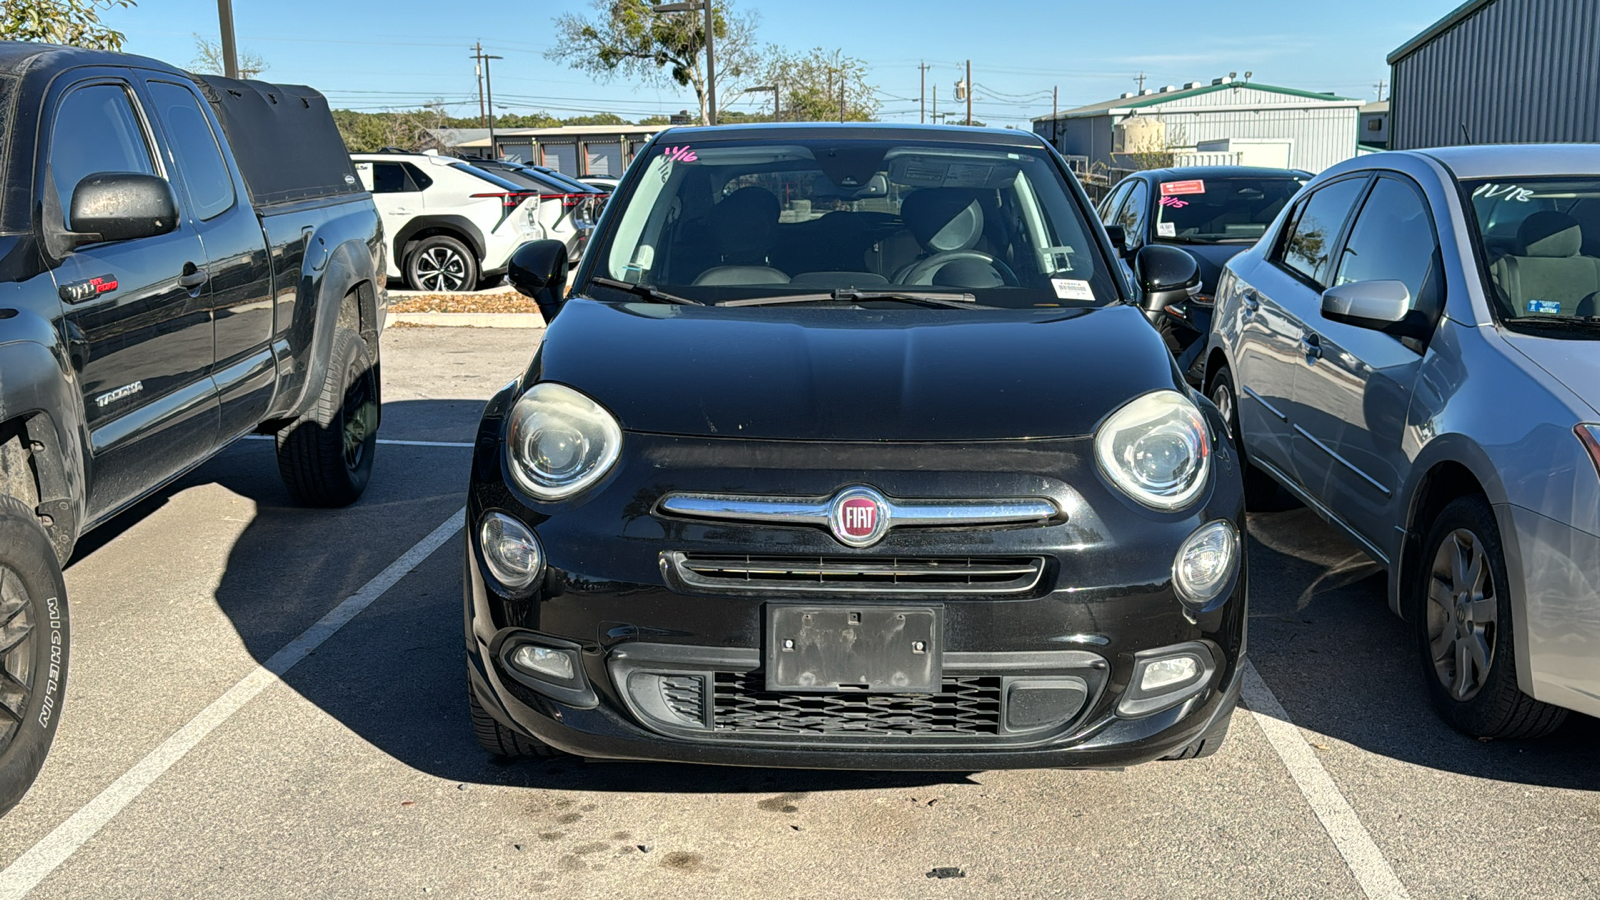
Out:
{"x": 34, "y": 637}
{"x": 1259, "y": 488}
{"x": 326, "y": 458}
{"x": 1210, "y": 742}
{"x": 441, "y": 263}
{"x": 1461, "y": 610}
{"x": 501, "y": 741}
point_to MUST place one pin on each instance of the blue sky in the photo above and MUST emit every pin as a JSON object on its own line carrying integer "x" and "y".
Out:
{"x": 386, "y": 54}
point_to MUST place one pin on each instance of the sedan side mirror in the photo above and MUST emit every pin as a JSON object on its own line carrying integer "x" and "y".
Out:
{"x": 1166, "y": 275}
{"x": 1367, "y": 304}
{"x": 121, "y": 206}
{"x": 539, "y": 270}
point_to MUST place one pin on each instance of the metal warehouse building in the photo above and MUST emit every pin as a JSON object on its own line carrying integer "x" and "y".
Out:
{"x": 1500, "y": 71}
{"x": 1317, "y": 130}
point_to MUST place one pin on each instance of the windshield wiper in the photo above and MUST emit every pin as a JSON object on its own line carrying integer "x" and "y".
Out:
{"x": 852, "y": 295}
{"x": 1554, "y": 322}
{"x": 647, "y": 291}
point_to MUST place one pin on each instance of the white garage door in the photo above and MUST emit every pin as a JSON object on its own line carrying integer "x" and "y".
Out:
{"x": 603, "y": 159}
{"x": 561, "y": 157}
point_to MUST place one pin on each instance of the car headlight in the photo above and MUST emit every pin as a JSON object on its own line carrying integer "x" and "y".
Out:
{"x": 1156, "y": 449}
{"x": 560, "y": 442}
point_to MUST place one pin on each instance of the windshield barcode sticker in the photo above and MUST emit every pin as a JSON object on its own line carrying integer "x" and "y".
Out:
{"x": 1072, "y": 289}
{"x": 1166, "y": 229}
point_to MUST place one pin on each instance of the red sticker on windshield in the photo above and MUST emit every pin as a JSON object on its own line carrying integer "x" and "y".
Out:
{"x": 1172, "y": 188}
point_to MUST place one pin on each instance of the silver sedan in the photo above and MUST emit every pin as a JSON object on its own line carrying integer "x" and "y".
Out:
{"x": 1411, "y": 350}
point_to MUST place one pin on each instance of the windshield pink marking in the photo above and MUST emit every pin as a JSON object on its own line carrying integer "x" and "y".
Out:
{"x": 680, "y": 154}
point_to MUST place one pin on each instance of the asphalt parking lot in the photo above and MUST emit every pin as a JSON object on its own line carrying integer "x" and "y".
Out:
{"x": 185, "y": 767}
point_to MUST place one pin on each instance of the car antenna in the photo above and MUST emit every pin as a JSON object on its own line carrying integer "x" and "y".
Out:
{"x": 1464, "y": 134}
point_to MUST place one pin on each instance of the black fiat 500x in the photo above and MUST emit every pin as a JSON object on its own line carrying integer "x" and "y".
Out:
{"x": 851, "y": 448}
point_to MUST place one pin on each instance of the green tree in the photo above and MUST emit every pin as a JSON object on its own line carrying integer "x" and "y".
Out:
{"x": 73, "y": 22}
{"x": 810, "y": 84}
{"x": 208, "y": 60}
{"x": 412, "y": 129}
{"x": 631, "y": 38}
{"x": 604, "y": 118}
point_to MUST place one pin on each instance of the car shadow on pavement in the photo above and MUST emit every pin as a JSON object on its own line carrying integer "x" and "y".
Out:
{"x": 1344, "y": 666}
{"x": 395, "y": 676}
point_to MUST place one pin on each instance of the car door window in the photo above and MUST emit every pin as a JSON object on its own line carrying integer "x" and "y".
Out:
{"x": 1133, "y": 213}
{"x": 96, "y": 130}
{"x": 391, "y": 178}
{"x": 1113, "y": 204}
{"x": 1308, "y": 249}
{"x": 1392, "y": 239}
{"x": 195, "y": 146}
{"x": 419, "y": 179}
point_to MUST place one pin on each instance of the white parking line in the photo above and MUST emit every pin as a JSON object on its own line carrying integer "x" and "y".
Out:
{"x": 1376, "y": 877}
{"x": 42, "y": 858}
{"x": 468, "y": 446}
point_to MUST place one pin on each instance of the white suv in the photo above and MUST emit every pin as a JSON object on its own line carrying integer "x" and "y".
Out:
{"x": 450, "y": 226}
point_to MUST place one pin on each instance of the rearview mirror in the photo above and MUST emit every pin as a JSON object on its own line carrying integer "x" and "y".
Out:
{"x": 1166, "y": 275}
{"x": 121, "y": 206}
{"x": 1367, "y": 304}
{"x": 538, "y": 269}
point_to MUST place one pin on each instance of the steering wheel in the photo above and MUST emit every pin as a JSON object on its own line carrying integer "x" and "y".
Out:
{"x": 939, "y": 260}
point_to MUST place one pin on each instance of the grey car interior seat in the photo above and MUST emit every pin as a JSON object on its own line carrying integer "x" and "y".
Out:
{"x": 743, "y": 227}
{"x": 937, "y": 220}
{"x": 1548, "y": 266}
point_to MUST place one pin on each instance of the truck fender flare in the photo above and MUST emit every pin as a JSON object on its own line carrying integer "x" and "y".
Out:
{"x": 37, "y": 387}
{"x": 339, "y": 279}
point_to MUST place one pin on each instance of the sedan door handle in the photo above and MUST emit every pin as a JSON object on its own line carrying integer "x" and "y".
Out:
{"x": 1311, "y": 346}
{"x": 193, "y": 276}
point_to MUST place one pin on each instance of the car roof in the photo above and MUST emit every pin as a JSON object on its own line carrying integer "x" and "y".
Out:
{"x": 862, "y": 131}
{"x": 17, "y": 57}
{"x": 1220, "y": 172}
{"x": 1511, "y": 160}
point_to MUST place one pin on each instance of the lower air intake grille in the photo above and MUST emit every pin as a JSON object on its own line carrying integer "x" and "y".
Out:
{"x": 965, "y": 705}
{"x": 884, "y": 574}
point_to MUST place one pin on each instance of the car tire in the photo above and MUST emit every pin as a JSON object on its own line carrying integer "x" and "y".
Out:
{"x": 501, "y": 741}
{"x": 1460, "y": 611}
{"x": 326, "y": 458}
{"x": 441, "y": 264}
{"x": 1210, "y": 742}
{"x": 1259, "y": 488}
{"x": 34, "y": 640}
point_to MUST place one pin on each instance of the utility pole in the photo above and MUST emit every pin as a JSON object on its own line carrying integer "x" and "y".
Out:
{"x": 1140, "y": 78}
{"x": 230, "y": 51}
{"x": 969, "y": 92}
{"x": 1380, "y": 86}
{"x": 1055, "y": 115}
{"x": 841, "y": 96}
{"x": 711, "y": 53}
{"x": 488, "y": 87}
{"x": 922, "y": 96}
{"x": 477, "y": 71}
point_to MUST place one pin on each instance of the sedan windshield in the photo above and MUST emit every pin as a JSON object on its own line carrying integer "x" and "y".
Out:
{"x": 1541, "y": 244}
{"x": 850, "y": 221}
{"x": 1221, "y": 210}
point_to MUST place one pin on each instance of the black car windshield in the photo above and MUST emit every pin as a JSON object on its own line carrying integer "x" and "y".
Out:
{"x": 1221, "y": 210}
{"x": 734, "y": 219}
{"x": 1541, "y": 245}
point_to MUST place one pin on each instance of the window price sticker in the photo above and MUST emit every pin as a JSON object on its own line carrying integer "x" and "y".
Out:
{"x": 1072, "y": 289}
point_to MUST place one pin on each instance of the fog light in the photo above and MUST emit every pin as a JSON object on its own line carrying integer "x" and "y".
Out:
{"x": 1206, "y": 563}
{"x": 510, "y": 550}
{"x": 1165, "y": 673}
{"x": 543, "y": 661}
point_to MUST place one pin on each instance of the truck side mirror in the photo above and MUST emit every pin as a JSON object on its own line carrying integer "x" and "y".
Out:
{"x": 121, "y": 206}
{"x": 539, "y": 270}
{"x": 1166, "y": 275}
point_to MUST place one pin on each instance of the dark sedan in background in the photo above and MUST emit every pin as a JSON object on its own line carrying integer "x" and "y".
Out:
{"x": 1215, "y": 213}
{"x": 852, "y": 448}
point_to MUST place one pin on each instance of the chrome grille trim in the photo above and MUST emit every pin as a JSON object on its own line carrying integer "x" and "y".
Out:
{"x": 815, "y": 510}
{"x": 861, "y": 575}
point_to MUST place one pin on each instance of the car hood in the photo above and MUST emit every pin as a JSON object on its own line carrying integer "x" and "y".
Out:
{"x": 829, "y": 373}
{"x": 1574, "y": 363}
{"x": 1211, "y": 257}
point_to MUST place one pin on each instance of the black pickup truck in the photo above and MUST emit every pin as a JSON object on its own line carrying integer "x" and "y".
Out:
{"x": 184, "y": 260}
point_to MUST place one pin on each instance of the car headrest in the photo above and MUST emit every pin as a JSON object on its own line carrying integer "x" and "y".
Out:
{"x": 943, "y": 219}
{"x": 1548, "y": 233}
{"x": 743, "y": 224}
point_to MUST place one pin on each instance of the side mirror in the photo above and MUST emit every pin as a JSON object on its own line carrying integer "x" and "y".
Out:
{"x": 539, "y": 270}
{"x": 1166, "y": 275}
{"x": 1367, "y": 304}
{"x": 121, "y": 206}
{"x": 1119, "y": 239}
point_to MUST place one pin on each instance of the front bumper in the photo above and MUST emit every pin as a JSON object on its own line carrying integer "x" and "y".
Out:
{"x": 612, "y": 595}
